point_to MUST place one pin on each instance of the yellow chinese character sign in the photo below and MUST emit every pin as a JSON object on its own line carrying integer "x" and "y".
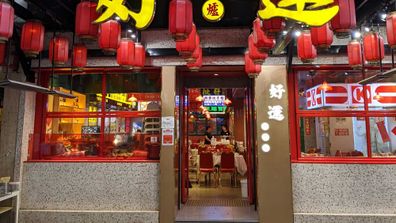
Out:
{"x": 310, "y": 12}
{"x": 111, "y": 8}
{"x": 213, "y": 10}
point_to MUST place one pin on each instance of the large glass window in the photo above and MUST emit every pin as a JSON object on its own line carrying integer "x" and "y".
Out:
{"x": 79, "y": 129}
{"x": 340, "y": 119}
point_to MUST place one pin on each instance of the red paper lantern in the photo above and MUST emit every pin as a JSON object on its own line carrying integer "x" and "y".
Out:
{"x": 109, "y": 35}
{"x": 322, "y": 36}
{"x": 79, "y": 56}
{"x": 391, "y": 29}
{"x": 194, "y": 56}
{"x": 126, "y": 53}
{"x": 59, "y": 50}
{"x": 373, "y": 47}
{"x": 273, "y": 26}
{"x": 345, "y": 20}
{"x": 180, "y": 19}
{"x": 32, "y": 38}
{"x": 355, "y": 54}
{"x": 187, "y": 46}
{"x": 2, "y": 53}
{"x": 251, "y": 69}
{"x": 6, "y": 21}
{"x": 140, "y": 57}
{"x": 257, "y": 56}
{"x": 305, "y": 50}
{"x": 261, "y": 40}
{"x": 197, "y": 64}
{"x": 85, "y": 16}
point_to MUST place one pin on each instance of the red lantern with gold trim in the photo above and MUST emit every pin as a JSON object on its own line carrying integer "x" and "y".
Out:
{"x": 6, "y": 21}
{"x": 109, "y": 35}
{"x": 355, "y": 54}
{"x": 126, "y": 53}
{"x": 59, "y": 50}
{"x": 373, "y": 47}
{"x": 391, "y": 29}
{"x": 79, "y": 56}
{"x": 251, "y": 69}
{"x": 85, "y": 16}
{"x": 140, "y": 57}
{"x": 180, "y": 19}
{"x": 305, "y": 50}
{"x": 322, "y": 36}
{"x": 187, "y": 46}
{"x": 197, "y": 64}
{"x": 257, "y": 56}
{"x": 261, "y": 40}
{"x": 273, "y": 26}
{"x": 32, "y": 38}
{"x": 2, "y": 53}
{"x": 345, "y": 20}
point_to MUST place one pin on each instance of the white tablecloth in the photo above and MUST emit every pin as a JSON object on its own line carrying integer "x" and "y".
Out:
{"x": 240, "y": 162}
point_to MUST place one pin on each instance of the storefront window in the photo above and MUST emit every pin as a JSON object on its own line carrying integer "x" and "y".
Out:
{"x": 79, "y": 129}
{"x": 340, "y": 119}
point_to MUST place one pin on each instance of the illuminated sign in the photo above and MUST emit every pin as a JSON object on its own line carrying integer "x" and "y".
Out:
{"x": 213, "y": 10}
{"x": 318, "y": 13}
{"x": 213, "y": 100}
{"x": 111, "y": 8}
{"x": 343, "y": 95}
{"x": 216, "y": 109}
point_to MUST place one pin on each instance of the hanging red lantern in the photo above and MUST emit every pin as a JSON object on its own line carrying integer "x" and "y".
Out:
{"x": 345, "y": 20}
{"x": 391, "y": 29}
{"x": 32, "y": 38}
{"x": 140, "y": 57}
{"x": 373, "y": 47}
{"x": 187, "y": 46}
{"x": 79, "y": 56}
{"x": 197, "y": 64}
{"x": 2, "y": 53}
{"x": 126, "y": 53}
{"x": 257, "y": 56}
{"x": 355, "y": 54}
{"x": 180, "y": 19}
{"x": 261, "y": 40}
{"x": 273, "y": 26}
{"x": 6, "y": 21}
{"x": 194, "y": 56}
{"x": 305, "y": 50}
{"x": 59, "y": 50}
{"x": 322, "y": 36}
{"x": 109, "y": 35}
{"x": 86, "y": 14}
{"x": 251, "y": 69}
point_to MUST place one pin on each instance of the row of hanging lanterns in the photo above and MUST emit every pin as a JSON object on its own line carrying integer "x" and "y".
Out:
{"x": 184, "y": 32}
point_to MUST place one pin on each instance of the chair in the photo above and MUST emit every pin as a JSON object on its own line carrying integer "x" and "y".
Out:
{"x": 205, "y": 165}
{"x": 228, "y": 166}
{"x": 193, "y": 163}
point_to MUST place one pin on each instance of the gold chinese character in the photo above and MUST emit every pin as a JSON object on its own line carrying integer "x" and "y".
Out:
{"x": 116, "y": 7}
{"x": 314, "y": 15}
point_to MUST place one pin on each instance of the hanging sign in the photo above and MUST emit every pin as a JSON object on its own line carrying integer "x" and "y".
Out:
{"x": 213, "y": 10}
{"x": 111, "y": 8}
{"x": 213, "y": 100}
{"x": 318, "y": 13}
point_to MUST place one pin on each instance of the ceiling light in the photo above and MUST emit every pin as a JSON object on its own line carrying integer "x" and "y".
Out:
{"x": 132, "y": 99}
{"x": 297, "y": 33}
{"x": 382, "y": 16}
{"x": 199, "y": 98}
{"x": 284, "y": 32}
{"x": 133, "y": 36}
{"x": 129, "y": 30}
{"x": 366, "y": 29}
{"x": 216, "y": 75}
{"x": 356, "y": 34}
{"x": 117, "y": 18}
{"x": 325, "y": 87}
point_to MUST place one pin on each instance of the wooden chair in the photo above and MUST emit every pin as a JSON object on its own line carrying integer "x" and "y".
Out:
{"x": 205, "y": 165}
{"x": 228, "y": 166}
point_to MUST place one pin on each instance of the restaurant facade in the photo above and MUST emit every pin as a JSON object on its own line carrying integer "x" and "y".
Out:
{"x": 106, "y": 119}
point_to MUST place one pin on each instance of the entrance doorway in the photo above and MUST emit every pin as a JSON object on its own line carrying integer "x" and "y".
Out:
{"x": 216, "y": 152}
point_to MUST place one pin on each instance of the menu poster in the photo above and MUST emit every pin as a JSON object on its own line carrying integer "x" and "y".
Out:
{"x": 167, "y": 137}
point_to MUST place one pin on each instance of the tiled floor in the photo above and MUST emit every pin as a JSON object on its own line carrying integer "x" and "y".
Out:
{"x": 234, "y": 208}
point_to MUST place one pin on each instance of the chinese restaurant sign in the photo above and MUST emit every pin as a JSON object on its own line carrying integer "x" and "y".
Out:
{"x": 317, "y": 13}
{"x": 213, "y": 100}
{"x": 213, "y": 10}
{"x": 111, "y": 8}
{"x": 342, "y": 95}
{"x": 216, "y": 109}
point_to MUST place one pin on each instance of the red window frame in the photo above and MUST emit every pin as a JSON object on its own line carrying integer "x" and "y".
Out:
{"x": 295, "y": 114}
{"x": 42, "y": 114}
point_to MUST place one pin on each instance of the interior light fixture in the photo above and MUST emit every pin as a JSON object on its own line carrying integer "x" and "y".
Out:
{"x": 366, "y": 29}
{"x": 227, "y": 101}
{"x": 325, "y": 86}
{"x": 377, "y": 97}
{"x": 356, "y": 35}
{"x": 132, "y": 99}
{"x": 199, "y": 98}
{"x": 382, "y": 16}
{"x": 297, "y": 33}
